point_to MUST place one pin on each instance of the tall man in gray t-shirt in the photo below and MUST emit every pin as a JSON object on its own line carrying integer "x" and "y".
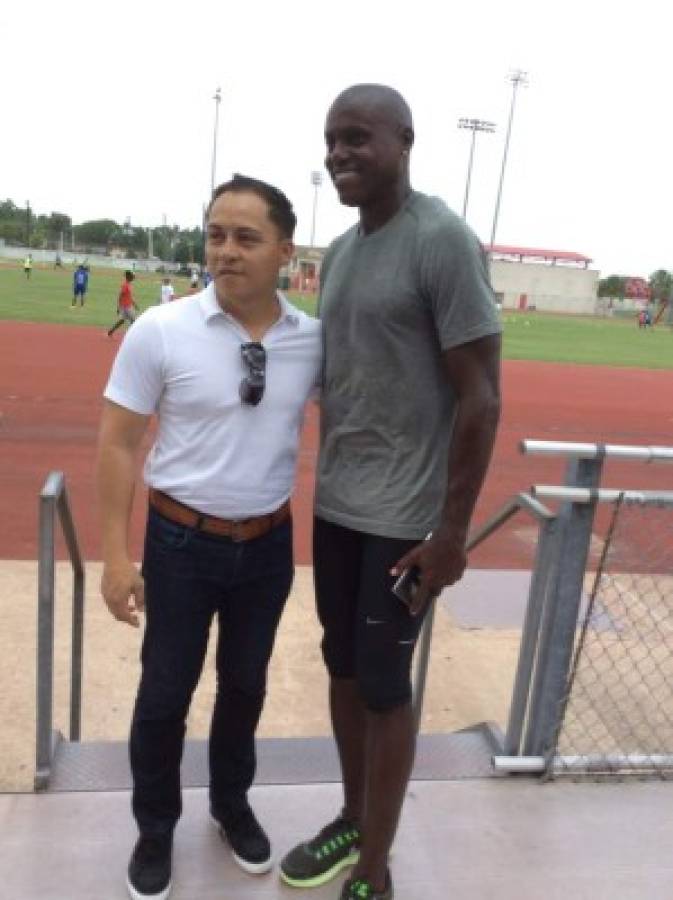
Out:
{"x": 410, "y": 408}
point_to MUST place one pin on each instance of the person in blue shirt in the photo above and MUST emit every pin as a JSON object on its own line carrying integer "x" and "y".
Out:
{"x": 80, "y": 284}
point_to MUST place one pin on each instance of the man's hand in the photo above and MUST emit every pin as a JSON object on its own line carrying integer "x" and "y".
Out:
{"x": 123, "y": 590}
{"x": 441, "y": 561}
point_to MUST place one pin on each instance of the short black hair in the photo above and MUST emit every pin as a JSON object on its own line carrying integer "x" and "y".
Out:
{"x": 129, "y": 275}
{"x": 280, "y": 209}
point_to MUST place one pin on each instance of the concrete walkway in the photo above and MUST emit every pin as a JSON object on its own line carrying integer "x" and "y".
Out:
{"x": 513, "y": 839}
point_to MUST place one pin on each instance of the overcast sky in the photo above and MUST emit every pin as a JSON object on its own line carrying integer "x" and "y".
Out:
{"x": 108, "y": 111}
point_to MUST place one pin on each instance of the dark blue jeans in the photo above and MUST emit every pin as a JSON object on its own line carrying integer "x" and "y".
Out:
{"x": 191, "y": 576}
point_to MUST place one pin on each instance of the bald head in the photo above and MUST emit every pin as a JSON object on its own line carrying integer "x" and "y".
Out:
{"x": 368, "y": 135}
{"x": 380, "y": 102}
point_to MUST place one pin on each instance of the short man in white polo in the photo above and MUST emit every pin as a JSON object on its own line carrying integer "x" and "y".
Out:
{"x": 227, "y": 373}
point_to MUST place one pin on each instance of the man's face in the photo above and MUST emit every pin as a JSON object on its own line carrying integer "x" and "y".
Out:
{"x": 365, "y": 153}
{"x": 244, "y": 248}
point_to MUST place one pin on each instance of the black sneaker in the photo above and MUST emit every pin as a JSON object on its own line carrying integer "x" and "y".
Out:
{"x": 149, "y": 872}
{"x": 249, "y": 844}
{"x": 361, "y": 889}
{"x": 318, "y": 861}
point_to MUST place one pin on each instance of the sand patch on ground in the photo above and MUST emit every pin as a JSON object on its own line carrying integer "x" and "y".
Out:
{"x": 469, "y": 679}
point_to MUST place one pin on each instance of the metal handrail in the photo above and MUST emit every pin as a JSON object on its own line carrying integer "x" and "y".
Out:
{"x": 599, "y": 762}
{"x": 574, "y": 450}
{"x": 602, "y": 495}
{"x": 53, "y": 500}
{"x": 521, "y": 501}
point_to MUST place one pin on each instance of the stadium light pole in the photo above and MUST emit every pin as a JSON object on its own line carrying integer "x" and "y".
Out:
{"x": 316, "y": 181}
{"x": 217, "y": 98}
{"x": 518, "y": 78}
{"x": 473, "y": 125}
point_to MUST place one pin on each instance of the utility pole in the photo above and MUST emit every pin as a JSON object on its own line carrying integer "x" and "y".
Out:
{"x": 28, "y": 223}
{"x": 517, "y": 78}
{"x": 316, "y": 181}
{"x": 473, "y": 125}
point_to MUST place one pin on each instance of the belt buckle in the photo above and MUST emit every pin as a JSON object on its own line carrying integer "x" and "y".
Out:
{"x": 236, "y": 531}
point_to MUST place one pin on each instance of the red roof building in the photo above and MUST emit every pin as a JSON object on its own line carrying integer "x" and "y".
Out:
{"x": 535, "y": 254}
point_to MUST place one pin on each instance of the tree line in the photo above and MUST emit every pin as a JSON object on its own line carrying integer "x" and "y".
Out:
{"x": 21, "y": 225}
{"x": 659, "y": 286}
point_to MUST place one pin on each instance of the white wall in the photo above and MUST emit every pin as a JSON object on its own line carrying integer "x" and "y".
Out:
{"x": 553, "y": 288}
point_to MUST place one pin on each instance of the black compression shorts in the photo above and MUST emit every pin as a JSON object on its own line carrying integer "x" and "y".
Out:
{"x": 369, "y": 634}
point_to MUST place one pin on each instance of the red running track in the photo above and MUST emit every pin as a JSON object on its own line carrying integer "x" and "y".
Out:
{"x": 52, "y": 377}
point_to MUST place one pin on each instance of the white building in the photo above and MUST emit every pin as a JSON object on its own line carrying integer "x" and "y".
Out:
{"x": 547, "y": 280}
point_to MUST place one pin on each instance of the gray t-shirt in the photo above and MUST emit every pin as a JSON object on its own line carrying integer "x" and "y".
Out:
{"x": 390, "y": 302}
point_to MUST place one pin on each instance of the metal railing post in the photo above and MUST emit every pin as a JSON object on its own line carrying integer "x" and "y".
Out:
{"x": 53, "y": 498}
{"x": 77, "y": 657}
{"x": 559, "y": 616}
{"x": 45, "y": 640}
{"x": 77, "y": 631}
{"x": 538, "y": 595}
{"x": 418, "y": 687}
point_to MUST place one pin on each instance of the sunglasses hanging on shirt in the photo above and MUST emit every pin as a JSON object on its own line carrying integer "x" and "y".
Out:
{"x": 251, "y": 388}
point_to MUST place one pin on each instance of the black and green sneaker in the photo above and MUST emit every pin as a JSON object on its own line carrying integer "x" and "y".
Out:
{"x": 361, "y": 889}
{"x": 320, "y": 859}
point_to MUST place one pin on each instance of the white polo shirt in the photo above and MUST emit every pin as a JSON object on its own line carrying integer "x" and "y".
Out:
{"x": 218, "y": 455}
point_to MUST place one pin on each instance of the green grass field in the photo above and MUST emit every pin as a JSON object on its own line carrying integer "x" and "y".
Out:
{"x": 587, "y": 340}
{"x": 47, "y": 296}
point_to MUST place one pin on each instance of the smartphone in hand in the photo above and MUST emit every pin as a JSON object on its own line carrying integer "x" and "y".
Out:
{"x": 408, "y": 583}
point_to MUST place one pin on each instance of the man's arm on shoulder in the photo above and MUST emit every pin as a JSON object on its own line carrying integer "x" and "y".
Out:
{"x": 473, "y": 370}
{"x": 120, "y": 435}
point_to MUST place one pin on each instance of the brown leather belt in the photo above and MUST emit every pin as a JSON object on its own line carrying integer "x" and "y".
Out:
{"x": 236, "y": 529}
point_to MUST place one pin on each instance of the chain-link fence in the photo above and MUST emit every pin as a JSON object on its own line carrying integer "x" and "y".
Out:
{"x": 617, "y": 716}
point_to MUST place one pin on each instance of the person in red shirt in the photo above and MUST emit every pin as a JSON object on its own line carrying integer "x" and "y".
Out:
{"x": 125, "y": 304}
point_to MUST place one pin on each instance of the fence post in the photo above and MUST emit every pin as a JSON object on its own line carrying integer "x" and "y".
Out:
{"x": 560, "y": 613}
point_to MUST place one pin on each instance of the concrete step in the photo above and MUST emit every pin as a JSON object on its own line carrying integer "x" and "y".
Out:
{"x": 104, "y": 766}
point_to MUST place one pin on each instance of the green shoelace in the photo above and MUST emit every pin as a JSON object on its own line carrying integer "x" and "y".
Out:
{"x": 336, "y": 844}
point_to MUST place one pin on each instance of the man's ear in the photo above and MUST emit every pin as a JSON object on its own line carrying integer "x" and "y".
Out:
{"x": 287, "y": 250}
{"x": 408, "y": 137}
